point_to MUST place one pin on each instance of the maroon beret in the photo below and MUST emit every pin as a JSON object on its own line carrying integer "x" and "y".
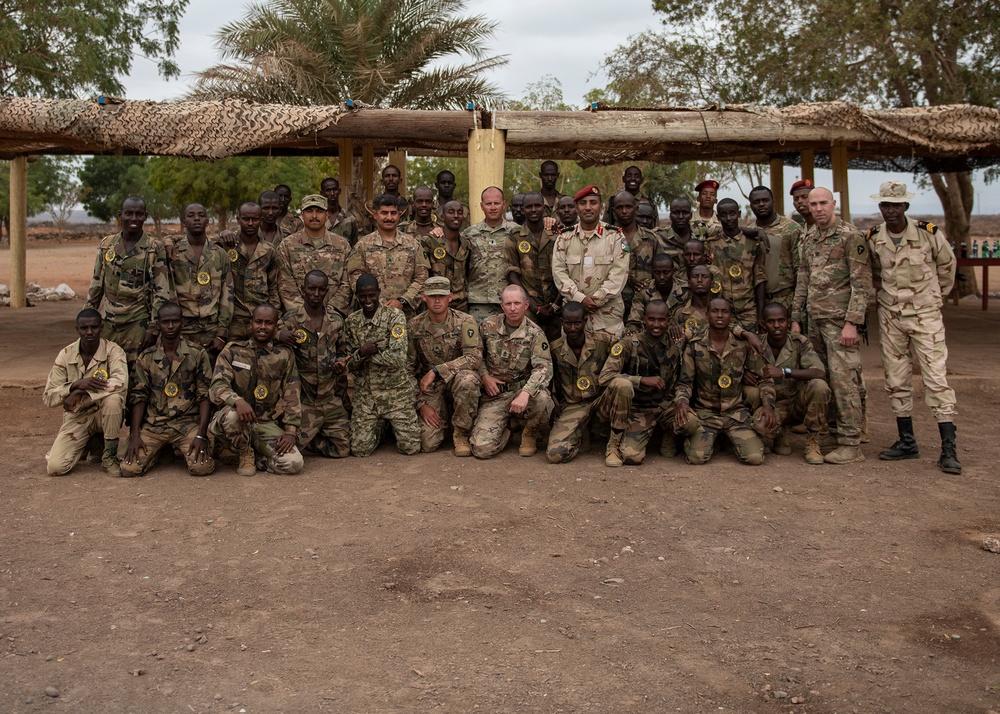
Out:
{"x": 712, "y": 183}
{"x": 587, "y": 191}
{"x": 804, "y": 183}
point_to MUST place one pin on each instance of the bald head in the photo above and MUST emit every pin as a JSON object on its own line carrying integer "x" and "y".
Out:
{"x": 822, "y": 206}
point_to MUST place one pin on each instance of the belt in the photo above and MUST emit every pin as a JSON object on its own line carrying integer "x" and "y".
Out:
{"x": 514, "y": 386}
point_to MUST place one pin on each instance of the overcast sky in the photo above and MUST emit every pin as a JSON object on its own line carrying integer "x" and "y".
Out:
{"x": 568, "y": 41}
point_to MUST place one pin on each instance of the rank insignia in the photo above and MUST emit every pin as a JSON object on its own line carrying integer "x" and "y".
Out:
{"x": 233, "y": 254}
{"x": 524, "y": 247}
{"x": 617, "y": 349}
{"x": 101, "y": 374}
{"x": 439, "y": 253}
{"x": 725, "y": 381}
{"x": 735, "y": 271}
{"x": 397, "y": 331}
{"x": 110, "y": 255}
{"x": 170, "y": 389}
{"x": 260, "y": 392}
{"x": 300, "y": 336}
{"x": 583, "y": 384}
{"x": 204, "y": 278}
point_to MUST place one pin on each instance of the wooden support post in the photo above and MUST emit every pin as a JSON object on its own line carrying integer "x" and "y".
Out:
{"x": 345, "y": 174}
{"x": 486, "y": 155}
{"x": 398, "y": 159}
{"x": 18, "y": 231}
{"x": 367, "y": 173}
{"x": 778, "y": 183}
{"x": 838, "y": 156}
{"x": 808, "y": 159}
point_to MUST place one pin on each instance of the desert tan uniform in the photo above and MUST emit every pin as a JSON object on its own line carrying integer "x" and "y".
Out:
{"x": 911, "y": 279}
{"x": 594, "y": 264}
{"x": 98, "y": 412}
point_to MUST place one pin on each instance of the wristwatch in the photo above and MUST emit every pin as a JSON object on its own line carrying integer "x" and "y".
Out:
{"x": 787, "y": 372}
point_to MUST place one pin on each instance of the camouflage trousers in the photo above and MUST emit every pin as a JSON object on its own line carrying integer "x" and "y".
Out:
{"x": 127, "y": 336}
{"x": 237, "y": 435}
{"x": 482, "y": 310}
{"x": 181, "y": 439}
{"x": 574, "y": 419}
{"x": 638, "y": 423}
{"x": 808, "y": 407}
{"x": 462, "y": 391}
{"x": 783, "y": 297}
{"x": 843, "y": 367}
{"x": 373, "y": 407}
{"x": 77, "y": 428}
{"x": 702, "y": 431}
{"x": 924, "y": 335}
{"x": 492, "y": 428}
{"x": 326, "y": 428}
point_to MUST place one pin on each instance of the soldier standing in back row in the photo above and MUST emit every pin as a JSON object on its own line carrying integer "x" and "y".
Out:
{"x": 314, "y": 248}
{"x": 254, "y": 264}
{"x": 529, "y": 264}
{"x": 487, "y": 264}
{"x": 781, "y": 260}
{"x": 739, "y": 257}
{"x": 914, "y": 268}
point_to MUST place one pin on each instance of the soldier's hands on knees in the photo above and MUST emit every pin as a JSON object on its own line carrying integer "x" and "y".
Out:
{"x": 491, "y": 385}
{"x": 284, "y": 443}
{"x": 245, "y": 412}
{"x": 769, "y": 417}
{"x": 88, "y": 384}
{"x": 684, "y": 414}
{"x": 198, "y": 449}
{"x": 136, "y": 446}
{"x": 520, "y": 402}
{"x": 430, "y": 416}
{"x": 426, "y": 381}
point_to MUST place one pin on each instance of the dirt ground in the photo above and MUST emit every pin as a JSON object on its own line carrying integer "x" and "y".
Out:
{"x": 416, "y": 583}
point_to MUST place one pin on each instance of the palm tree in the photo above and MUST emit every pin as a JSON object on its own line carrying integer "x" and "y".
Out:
{"x": 387, "y": 53}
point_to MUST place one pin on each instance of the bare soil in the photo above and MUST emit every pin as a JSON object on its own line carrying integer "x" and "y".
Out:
{"x": 416, "y": 583}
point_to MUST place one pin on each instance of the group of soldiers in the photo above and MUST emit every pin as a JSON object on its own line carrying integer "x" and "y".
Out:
{"x": 295, "y": 334}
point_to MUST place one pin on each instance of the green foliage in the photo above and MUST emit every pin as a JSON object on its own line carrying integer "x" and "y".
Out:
{"x": 387, "y": 53}
{"x": 72, "y": 48}
{"x": 107, "y": 180}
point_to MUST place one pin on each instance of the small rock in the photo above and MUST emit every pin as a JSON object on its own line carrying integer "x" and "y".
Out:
{"x": 798, "y": 700}
{"x": 29, "y": 700}
{"x": 52, "y": 692}
{"x": 992, "y": 545}
{"x": 202, "y": 640}
{"x": 780, "y": 695}
{"x": 217, "y": 697}
{"x": 138, "y": 672}
{"x": 49, "y": 658}
{"x": 627, "y": 550}
{"x": 660, "y": 557}
{"x": 190, "y": 648}
{"x": 778, "y": 489}
{"x": 613, "y": 581}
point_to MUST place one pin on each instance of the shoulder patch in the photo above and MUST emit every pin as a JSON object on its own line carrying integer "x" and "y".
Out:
{"x": 873, "y": 230}
{"x": 929, "y": 227}
{"x": 861, "y": 249}
{"x": 617, "y": 349}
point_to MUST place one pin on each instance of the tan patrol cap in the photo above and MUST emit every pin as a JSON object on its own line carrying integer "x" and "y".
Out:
{"x": 314, "y": 200}
{"x": 438, "y": 285}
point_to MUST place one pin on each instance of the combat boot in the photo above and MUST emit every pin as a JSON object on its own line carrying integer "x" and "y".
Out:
{"x": 613, "y": 454}
{"x": 800, "y": 429}
{"x": 248, "y": 464}
{"x": 110, "y": 458}
{"x": 528, "y": 445}
{"x": 668, "y": 447}
{"x": 844, "y": 455}
{"x": 781, "y": 445}
{"x": 461, "y": 440}
{"x": 814, "y": 455}
{"x": 906, "y": 446}
{"x": 95, "y": 448}
{"x": 949, "y": 458}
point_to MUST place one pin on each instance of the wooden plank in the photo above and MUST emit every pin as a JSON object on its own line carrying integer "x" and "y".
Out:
{"x": 808, "y": 159}
{"x": 486, "y": 155}
{"x": 838, "y": 156}
{"x": 778, "y": 183}
{"x": 345, "y": 166}
{"x": 18, "y": 231}
{"x": 401, "y": 126}
{"x": 367, "y": 173}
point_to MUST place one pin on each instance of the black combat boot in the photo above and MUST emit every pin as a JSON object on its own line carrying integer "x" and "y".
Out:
{"x": 949, "y": 459}
{"x": 906, "y": 446}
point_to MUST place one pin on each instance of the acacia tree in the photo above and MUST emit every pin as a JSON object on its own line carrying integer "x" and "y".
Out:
{"x": 873, "y": 52}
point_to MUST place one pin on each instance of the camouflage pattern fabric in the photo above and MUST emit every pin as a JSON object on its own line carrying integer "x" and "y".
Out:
{"x": 487, "y": 264}
{"x": 594, "y": 264}
{"x": 797, "y": 401}
{"x": 398, "y": 263}
{"x": 740, "y": 261}
{"x": 642, "y": 247}
{"x": 675, "y": 299}
{"x": 290, "y": 224}
{"x": 835, "y": 279}
{"x": 449, "y": 263}
{"x": 344, "y": 224}
{"x": 231, "y": 434}
{"x": 530, "y": 257}
{"x": 298, "y": 254}
{"x": 204, "y": 288}
{"x": 255, "y": 281}
{"x": 781, "y": 262}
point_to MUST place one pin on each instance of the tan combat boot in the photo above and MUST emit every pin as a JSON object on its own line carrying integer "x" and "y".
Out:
{"x": 461, "y": 440}
{"x": 844, "y": 455}
{"x": 248, "y": 464}
{"x": 781, "y": 445}
{"x": 613, "y": 454}
{"x": 528, "y": 446}
{"x": 668, "y": 447}
{"x": 813, "y": 453}
{"x": 110, "y": 458}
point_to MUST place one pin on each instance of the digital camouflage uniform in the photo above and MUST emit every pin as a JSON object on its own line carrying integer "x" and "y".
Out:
{"x": 521, "y": 360}
{"x": 455, "y": 350}
{"x": 204, "y": 289}
{"x": 712, "y": 384}
{"x": 255, "y": 282}
{"x": 382, "y": 388}
{"x": 579, "y": 396}
{"x": 797, "y": 401}
{"x": 97, "y": 413}
{"x": 451, "y": 264}
{"x": 594, "y": 264}
{"x": 834, "y": 285}
{"x": 675, "y": 299}
{"x": 487, "y": 266}
{"x": 740, "y": 261}
{"x": 128, "y": 289}
{"x": 172, "y": 392}
{"x": 911, "y": 279}
{"x": 643, "y": 408}
{"x": 264, "y": 376}
{"x": 781, "y": 262}
{"x": 530, "y": 257}
{"x": 298, "y": 254}
{"x": 344, "y": 224}
{"x": 326, "y": 421}
{"x": 398, "y": 263}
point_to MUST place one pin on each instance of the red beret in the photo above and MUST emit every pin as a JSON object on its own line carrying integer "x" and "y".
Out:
{"x": 587, "y": 191}
{"x": 804, "y": 183}
{"x": 707, "y": 183}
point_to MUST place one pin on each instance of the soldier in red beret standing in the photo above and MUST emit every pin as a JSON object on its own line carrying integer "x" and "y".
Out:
{"x": 708, "y": 196}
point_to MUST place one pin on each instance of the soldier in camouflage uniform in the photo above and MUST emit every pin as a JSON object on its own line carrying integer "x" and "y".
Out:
{"x": 131, "y": 282}
{"x": 201, "y": 274}
{"x": 444, "y": 182}
{"x": 695, "y": 253}
{"x": 487, "y": 264}
{"x": 781, "y": 261}
{"x": 662, "y": 287}
{"x": 590, "y": 265}
{"x": 566, "y": 214}
{"x": 169, "y": 401}
{"x": 270, "y": 212}
{"x": 706, "y": 219}
{"x": 517, "y": 208}
{"x": 548, "y": 174}
{"x": 739, "y": 256}
{"x": 800, "y": 384}
{"x": 443, "y": 359}
{"x": 288, "y": 222}
{"x": 691, "y": 319}
{"x": 423, "y": 221}
{"x": 673, "y": 238}
{"x": 578, "y": 357}
{"x": 642, "y": 247}
{"x": 339, "y": 221}
{"x": 314, "y": 248}
{"x": 395, "y": 259}
{"x": 448, "y": 254}
{"x": 88, "y": 380}
{"x": 631, "y": 184}
{"x": 646, "y": 216}
{"x": 254, "y": 263}
{"x": 315, "y": 333}
{"x": 833, "y": 289}
{"x": 914, "y": 268}
{"x": 529, "y": 264}
{"x": 639, "y": 377}
{"x": 376, "y": 343}
{"x": 256, "y": 387}
{"x": 515, "y": 373}
{"x": 709, "y": 399}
